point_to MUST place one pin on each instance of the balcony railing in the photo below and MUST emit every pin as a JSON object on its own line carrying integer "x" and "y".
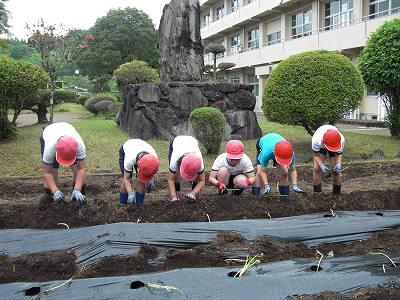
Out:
{"x": 238, "y": 49}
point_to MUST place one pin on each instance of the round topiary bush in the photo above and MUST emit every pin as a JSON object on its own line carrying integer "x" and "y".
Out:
{"x": 208, "y": 124}
{"x": 311, "y": 89}
{"x": 90, "y": 103}
{"x": 67, "y": 96}
{"x": 82, "y": 99}
{"x": 135, "y": 72}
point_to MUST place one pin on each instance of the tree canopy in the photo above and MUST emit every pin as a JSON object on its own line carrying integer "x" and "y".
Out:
{"x": 119, "y": 37}
{"x": 379, "y": 63}
{"x": 311, "y": 89}
{"x": 3, "y": 17}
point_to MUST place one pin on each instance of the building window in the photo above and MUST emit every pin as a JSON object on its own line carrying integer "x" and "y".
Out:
{"x": 379, "y": 8}
{"x": 274, "y": 38}
{"x": 301, "y": 24}
{"x": 234, "y": 78}
{"x": 220, "y": 55}
{"x": 220, "y": 12}
{"x": 234, "y": 5}
{"x": 235, "y": 44}
{"x": 253, "y": 38}
{"x": 338, "y": 13}
{"x": 252, "y": 79}
{"x": 206, "y": 20}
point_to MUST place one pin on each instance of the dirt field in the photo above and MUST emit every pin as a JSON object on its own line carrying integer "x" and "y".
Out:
{"x": 365, "y": 187}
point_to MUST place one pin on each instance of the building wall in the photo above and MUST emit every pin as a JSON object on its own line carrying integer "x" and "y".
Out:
{"x": 347, "y": 36}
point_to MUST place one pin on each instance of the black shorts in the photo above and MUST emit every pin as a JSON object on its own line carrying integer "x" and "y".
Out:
{"x": 121, "y": 162}
{"x": 55, "y": 163}
{"x": 231, "y": 185}
{"x": 324, "y": 152}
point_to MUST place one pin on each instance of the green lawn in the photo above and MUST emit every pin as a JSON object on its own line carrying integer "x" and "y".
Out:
{"x": 103, "y": 138}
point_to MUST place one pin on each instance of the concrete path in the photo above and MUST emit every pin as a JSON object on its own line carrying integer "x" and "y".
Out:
{"x": 31, "y": 119}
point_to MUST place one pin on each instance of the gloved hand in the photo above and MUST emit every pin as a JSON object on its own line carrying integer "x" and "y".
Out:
{"x": 192, "y": 196}
{"x": 267, "y": 189}
{"x": 325, "y": 170}
{"x": 151, "y": 186}
{"x": 338, "y": 168}
{"x": 58, "y": 196}
{"x": 221, "y": 186}
{"x": 131, "y": 198}
{"x": 243, "y": 184}
{"x": 175, "y": 198}
{"x": 78, "y": 196}
{"x": 296, "y": 188}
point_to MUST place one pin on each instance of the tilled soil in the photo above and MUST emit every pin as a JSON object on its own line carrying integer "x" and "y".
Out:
{"x": 379, "y": 293}
{"x": 224, "y": 250}
{"x": 104, "y": 211}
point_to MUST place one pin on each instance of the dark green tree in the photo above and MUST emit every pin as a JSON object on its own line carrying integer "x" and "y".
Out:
{"x": 379, "y": 63}
{"x": 3, "y": 17}
{"x": 121, "y": 36}
{"x": 19, "y": 81}
{"x": 311, "y": 89}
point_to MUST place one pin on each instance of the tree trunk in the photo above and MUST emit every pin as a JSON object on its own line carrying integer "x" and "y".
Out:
{"x": 51, "y": 103}
{"x": 41, "y": 113}
{"x": 215, "y": 67}
{"x": 3, "y": 118}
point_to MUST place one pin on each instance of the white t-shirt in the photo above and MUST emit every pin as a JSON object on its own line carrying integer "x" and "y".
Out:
{"x": 317, "y": 143}
{"x": 244, "y": 166}
{"x": 52, "y": 133}
{"x": 184, "y": 144}
{"x": 132, "y": 148}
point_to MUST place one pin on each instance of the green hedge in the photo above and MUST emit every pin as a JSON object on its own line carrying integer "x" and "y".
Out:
{"x": 208, "y": 124}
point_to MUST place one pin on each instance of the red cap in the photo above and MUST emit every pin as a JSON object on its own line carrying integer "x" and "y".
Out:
{"x": 147, "y": 167}
{"x": 283, "y": 153}
{"x": 66, "y": 150}
{"x": 190, "y": 166}
{"x": 234, "y": 149}
{"x": 332, "y": 140}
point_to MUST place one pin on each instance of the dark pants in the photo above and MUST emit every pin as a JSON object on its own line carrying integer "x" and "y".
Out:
{"x": 55, "y": 164}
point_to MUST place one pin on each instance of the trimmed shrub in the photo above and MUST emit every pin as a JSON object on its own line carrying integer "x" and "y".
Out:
{"x": 311, "y": 89}
{"x": 135, "y": 72}
{"x": 68, "y": 96}
{"x": 379, "y": 63}
{"x": 102, "y": 106}
{"x": 82, "y": 99}
{"x": 90, "y": 103}
{"x": 208, "y": 124}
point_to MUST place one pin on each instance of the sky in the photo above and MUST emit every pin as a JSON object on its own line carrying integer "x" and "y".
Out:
{"x": 80, "y": 14}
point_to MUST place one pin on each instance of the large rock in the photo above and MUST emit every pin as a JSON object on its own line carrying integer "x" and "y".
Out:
{"x": 244, "y": 125}
{"x": 162, "y": 110}
{"x": 179, "y": 42}
{"x": 187, "y": 98}
{"x": 149, "y": 92}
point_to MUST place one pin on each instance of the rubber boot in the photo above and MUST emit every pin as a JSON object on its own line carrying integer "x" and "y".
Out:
{"x": 139, "y": 198}
{"x": 317, "y": 188}
{"x": 255, "y": 191}
{"x": 123, "y": 198}
{"x": 284, "y": 190}
{"x": 337, "y": 189}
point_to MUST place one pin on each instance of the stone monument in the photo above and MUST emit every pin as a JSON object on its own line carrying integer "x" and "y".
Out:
{"x": 161, "y": 110}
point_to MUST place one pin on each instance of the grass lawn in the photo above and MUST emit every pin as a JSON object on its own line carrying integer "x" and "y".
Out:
{"x": 103, "y": 139}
